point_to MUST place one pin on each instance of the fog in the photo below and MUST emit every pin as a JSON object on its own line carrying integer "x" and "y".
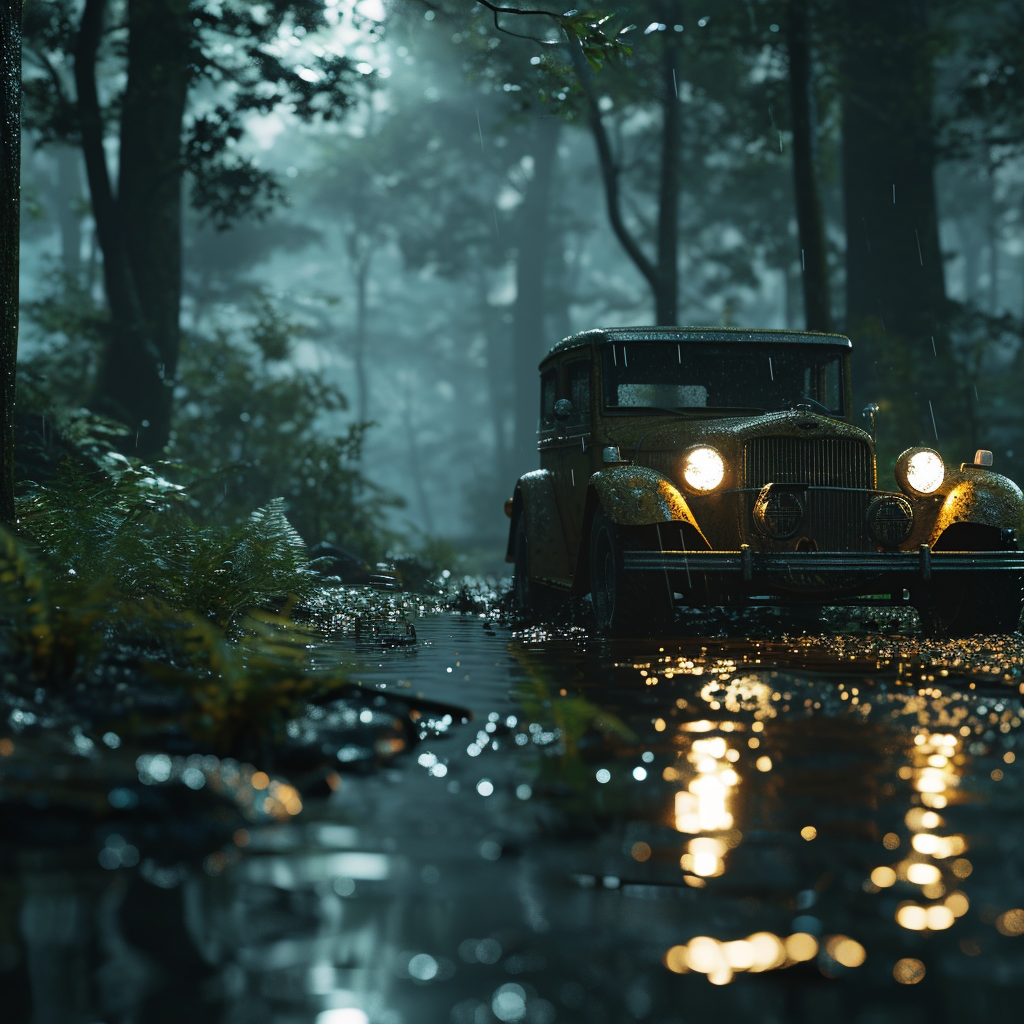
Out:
{"x": 390, "y": 237}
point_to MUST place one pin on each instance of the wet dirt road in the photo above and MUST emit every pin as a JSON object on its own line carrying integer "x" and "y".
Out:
{"x": 816, "y": 829}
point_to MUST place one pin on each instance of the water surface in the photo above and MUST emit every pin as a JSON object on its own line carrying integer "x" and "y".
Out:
{"x": 668, "y": 831}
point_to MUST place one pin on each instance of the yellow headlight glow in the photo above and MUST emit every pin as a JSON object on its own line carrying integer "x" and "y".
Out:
{"x": 703, "y": 469}
{"x": 925, "y": 471}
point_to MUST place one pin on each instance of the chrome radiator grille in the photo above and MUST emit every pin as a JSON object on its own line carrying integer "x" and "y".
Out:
{"x": 835, "y": 519}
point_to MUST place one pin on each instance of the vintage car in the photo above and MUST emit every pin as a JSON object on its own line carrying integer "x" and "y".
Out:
{"x": 701, "y": 467}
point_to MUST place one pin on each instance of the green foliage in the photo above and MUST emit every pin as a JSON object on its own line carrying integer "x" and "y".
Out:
{"x": 252, "y": 427}
{"x": 130, "y": 528}
{"x": 109, "y": 567}
{"x": 599, "y": 36}
{"x": 68, "y": 331}
{"x": 573, "y": 719}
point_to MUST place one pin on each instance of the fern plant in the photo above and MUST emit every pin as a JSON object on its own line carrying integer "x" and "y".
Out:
{"x": 108, "y": 564}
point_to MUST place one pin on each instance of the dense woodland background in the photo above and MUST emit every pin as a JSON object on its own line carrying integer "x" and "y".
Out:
{"x": 315, "y": 249}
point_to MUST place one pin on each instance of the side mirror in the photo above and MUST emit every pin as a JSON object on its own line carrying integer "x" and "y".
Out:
{"x": 869, "y": 413}
{"x": 563, "y": 409}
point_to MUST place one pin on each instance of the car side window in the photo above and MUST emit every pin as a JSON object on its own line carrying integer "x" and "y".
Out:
{"x": 548, "y": 381}
{"x": 578, "y": 386}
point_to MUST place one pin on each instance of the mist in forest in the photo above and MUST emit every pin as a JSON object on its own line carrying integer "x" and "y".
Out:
{"x": 351, "y": 231}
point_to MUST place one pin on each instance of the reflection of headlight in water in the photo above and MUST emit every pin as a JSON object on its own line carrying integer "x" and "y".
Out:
{"x": 937, "y": 774}
{"x": 704, "y": 806}
{"x": 934, "y": 773}
{"x": 704, "y": 856}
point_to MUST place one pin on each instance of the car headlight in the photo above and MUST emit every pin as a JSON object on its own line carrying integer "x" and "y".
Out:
{"x": 703, "y": 469}
{"x": 920, "y": 471}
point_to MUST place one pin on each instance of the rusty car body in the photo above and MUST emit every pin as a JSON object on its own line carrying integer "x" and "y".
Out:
{"x": 698, "y": 467}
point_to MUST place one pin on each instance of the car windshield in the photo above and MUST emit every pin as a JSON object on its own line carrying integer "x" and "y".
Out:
{"x": 732, "y": 375}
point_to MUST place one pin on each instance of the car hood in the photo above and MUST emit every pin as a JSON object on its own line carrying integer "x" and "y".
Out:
{"x": 660, "y": 435}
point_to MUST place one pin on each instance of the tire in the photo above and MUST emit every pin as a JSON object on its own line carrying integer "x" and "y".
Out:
{"x": 625, "y": 604}
{"x": 531, "y": 601}
{"x": 989, "y": 603}
{"x": 521, "y": 590}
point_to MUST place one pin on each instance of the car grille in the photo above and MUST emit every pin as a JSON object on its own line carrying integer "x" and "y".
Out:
{"x": 835, "y": 519}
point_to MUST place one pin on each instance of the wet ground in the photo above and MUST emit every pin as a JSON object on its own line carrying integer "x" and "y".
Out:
{"x": 561, "y": 828}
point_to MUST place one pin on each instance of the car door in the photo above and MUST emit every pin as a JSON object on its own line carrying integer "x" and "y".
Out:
{"x": 572, "y": 448}
{"x": 547, "y": 431}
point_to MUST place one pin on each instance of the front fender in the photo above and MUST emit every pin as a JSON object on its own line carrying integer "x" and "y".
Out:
{"x": 535, "y": 499}
{"x": 639, "y": 496}
{"x": 981, "y": 498}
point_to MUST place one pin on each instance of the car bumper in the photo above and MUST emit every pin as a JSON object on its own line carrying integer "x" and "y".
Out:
{"x": 822, "y": 572}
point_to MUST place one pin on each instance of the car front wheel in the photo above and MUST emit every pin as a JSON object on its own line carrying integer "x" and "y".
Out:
{"x": 625, "y": 603}
{"x": 989, "y": 602}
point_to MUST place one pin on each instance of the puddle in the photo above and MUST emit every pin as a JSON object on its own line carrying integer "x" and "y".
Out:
{"x": 818, "y": 829}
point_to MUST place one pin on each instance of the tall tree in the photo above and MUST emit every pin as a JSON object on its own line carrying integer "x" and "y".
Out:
{"x": 10, "y": 191}
{"x": 809, "y": 212}
{"x": 896, "y": 301}
{"x": 165, "y": 48}
{"x": 139, "y": 229}
{"x": 530, "y": 341}
{"x": 661, "y": 272}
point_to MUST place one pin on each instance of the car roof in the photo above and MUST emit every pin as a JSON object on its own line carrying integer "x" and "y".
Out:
{"x": 609, "y": 335}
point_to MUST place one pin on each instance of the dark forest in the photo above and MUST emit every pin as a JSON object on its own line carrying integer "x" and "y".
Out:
{"x": 304, "y": 716}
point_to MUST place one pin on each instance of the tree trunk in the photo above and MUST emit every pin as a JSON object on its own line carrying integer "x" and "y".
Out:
{"x": 363, "y": 262}
{"x": 896, "y": 297}
{"x": 529, "y": 342}
{"x": 140, "y": 229}
{"x": 992, "y": 224}
{"x": 68, "y": 193}
{"x": 10, "y": 206}
{"x": 662, "y": 274}
{"x": 610, "y": 174}
{"x": 416, "y": 468}
{"x": 500, "y": 400}
{"x": 809, "y": 214}
{"x": 667, "y": 296}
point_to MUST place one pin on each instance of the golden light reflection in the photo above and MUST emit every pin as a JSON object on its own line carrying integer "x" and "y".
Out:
{"x": 704, "y": 805}
{"x": 933, "y": 770}
{"x": 908, "y": 971}
{"x": 759, "y": 952}
{"x": 936, "y": 918}
{"x": 958, "y": 904}
{"x": 935, "y": 756}
{"x": 912, "y": 917}
{"x": 923, "y": 874}
{"x": 641, "y": 852}
{"x": 883, "y": 877}
{"x": 1011, "y": 923}
{"x": 845, "y": 951}
{"x": 705, "y": 856}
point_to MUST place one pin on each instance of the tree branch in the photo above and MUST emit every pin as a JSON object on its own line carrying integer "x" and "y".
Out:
{"x": 496, "y": 10}
{"x": 610, "y": 172}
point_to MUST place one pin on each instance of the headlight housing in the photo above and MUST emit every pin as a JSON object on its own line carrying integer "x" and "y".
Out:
{"x": 703, "y": 469}
{"x": 920, "y": 471}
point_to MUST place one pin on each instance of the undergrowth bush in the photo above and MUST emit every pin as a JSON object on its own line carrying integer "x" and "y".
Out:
{"x": 109, "y": 569}
{"x": 250, "y": 423}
